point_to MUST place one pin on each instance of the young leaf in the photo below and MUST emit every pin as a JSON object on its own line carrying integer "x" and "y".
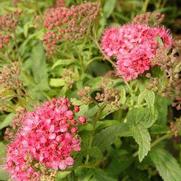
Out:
{"x": 57, "y": 82}
{"x": 142, "y": 138}
{"x": 7, "y": 120}
{"x": 166, "y": 164}
{"x": 39, "y": 67}
{"x": 109, "y": 7}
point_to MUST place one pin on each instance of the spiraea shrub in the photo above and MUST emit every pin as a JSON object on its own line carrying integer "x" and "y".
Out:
{"x": 90, "y": 90}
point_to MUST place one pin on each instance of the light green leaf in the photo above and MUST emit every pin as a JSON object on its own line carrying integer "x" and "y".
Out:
{"x": 109, "y": 7}
{"x": 57, "y": 82}
{"x": 3, "y": 174}
{"x": 142, "y": 116}
{"x": 148, "y": 96}
{"x": 39, "y": 67}
{"x": 62, "y": 62}
{"x": 142, "y": 138}
{"x": 166, "y": 164}
{"x": 7, "y": 120}
{"x": 62, "y": 174}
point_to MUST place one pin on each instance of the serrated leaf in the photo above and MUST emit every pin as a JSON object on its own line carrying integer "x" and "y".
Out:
{"x": 108, "y": 135}
{"x": 142, "y": 138}
{"x": 148, "y": 96}
{"x": 142, "y": 116}
{"x": 166, "y": 164}
{"x": 108, "y": 109}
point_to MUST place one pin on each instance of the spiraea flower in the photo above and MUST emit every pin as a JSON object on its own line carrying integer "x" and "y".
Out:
{"x": 17, "y": 162}
{"x": 49, "y": 135}
{"x": 134, "y": 45}
{"x": 71, "y": 23}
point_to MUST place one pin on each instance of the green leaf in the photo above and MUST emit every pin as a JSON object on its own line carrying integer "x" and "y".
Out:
{"x": 108, "y": 135}
{"x": 57, "y": 82}
{"x": 166, "y": 164}
{"x": 100, "y": 175}
{"x": 62, "y": 174}
{"x": 148, "y": 96}
{"x": 142, "y": 138}
{"x": 142, "y": 116}
{"x": 39, "y": 67}
{"x": 62, "y": 62}
{"x": 108, "y": 109}
{"x": 7, "y": 120}
{"x": 3, "y": 174}
{"x": 109, "y": 7}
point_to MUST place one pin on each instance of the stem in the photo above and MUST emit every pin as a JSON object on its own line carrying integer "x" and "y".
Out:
{"x": 105, "y": 56}
{"x": 164, "y": 137}
{"x": 93, "y": 133}
{"x": 145, "y": 5}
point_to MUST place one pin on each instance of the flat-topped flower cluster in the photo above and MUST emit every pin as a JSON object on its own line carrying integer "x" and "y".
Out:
{"x": 134, "y": 46}
{"x": 49, "y": 136}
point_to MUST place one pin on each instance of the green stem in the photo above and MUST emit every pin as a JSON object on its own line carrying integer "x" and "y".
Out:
{"x": 93, "y": 133}
{"x": 157, "y": 141}
{"x": 145, "y": 5}
{"x": 106, "y": 57}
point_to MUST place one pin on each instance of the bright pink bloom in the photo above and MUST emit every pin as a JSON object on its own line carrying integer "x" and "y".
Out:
{"x": 16, "y": 162}
{"x": 48, "y": 135}
{"x": 134, "y": 46}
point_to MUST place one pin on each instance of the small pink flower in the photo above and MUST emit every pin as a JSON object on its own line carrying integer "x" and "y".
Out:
{"x": 82, "y": 119}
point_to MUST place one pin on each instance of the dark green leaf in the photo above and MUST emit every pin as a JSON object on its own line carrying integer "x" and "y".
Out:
{"x": 108, "y": 135}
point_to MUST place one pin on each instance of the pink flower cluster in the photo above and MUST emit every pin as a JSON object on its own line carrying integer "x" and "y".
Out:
{"x": 68, "y": 23}
{"x": 49, "y": 136}
{"x": 134, "y": 46}
{"x": 17, "y": 163}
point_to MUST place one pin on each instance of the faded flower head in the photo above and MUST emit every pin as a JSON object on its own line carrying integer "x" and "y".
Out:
{"x": 149, "y": 18}
{"x": 48, "y": 135}
{"x": 60, "y": 3}
{"x": 9, "y": 76}
{"x": 8, "y": 24}
{"x": 134, "y": 45}
{"x": 4, "y": 40}
{"x": 9, "y": 21}
{"x": 68, "y": 23}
